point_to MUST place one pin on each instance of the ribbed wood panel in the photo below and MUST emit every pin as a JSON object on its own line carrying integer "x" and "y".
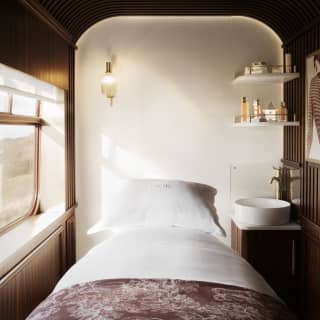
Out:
{"x": 286, "y": 17}
{"x": 294, "y": 137}
{"x": 70, "y": 137}
{"x": 294, "y": 150}
{"x": 23, "y": 288}
{"x": 30, "y": 45}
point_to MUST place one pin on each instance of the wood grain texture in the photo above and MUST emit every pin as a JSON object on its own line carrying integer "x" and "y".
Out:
{"x": 30, "y": 45}
{"x": 310, "y": 271}
{"x": 275, "y": 255}
{"x": 43, "y": 14}
{"x": 294, "y": 150}
{"x": 70, "y": 231}
{"x": 70, "y": 133}
{"x": 33, "y": 279}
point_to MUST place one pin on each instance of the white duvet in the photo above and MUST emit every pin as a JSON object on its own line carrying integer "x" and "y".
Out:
{"x": 171, "y": 252}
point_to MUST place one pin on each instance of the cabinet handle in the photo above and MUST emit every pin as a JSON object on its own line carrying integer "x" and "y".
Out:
{"x": 293, "y": 258}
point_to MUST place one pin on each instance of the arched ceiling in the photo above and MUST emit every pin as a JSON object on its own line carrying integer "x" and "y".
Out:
{"x": 285, "y": 17}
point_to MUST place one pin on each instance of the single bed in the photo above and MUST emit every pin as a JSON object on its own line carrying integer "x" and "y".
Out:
{"x": 158, "y": 271}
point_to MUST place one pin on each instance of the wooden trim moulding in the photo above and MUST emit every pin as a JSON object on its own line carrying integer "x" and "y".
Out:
{"x": 290, "y": 163}
{"x": 36, "y": 8}
{"x": 70, "y": 211}
{"x": 34, "y": 209}
{"x": 6, "y": 118}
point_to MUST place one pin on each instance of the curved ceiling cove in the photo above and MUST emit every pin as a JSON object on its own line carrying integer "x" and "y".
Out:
{"x": 285, "y": 17}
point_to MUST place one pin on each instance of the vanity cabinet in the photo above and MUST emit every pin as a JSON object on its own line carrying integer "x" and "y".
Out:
{"x": 274, "y": 252}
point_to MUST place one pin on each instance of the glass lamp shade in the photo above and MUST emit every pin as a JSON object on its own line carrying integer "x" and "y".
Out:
{"x": 109, "y": 86}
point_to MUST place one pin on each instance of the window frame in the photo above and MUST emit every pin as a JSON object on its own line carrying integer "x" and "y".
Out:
{"x": 8, "y": 118}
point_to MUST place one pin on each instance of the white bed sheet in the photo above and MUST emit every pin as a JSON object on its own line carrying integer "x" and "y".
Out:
{"x": 166, "y": 252}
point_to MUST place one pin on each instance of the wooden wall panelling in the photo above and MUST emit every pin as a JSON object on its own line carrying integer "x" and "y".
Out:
{"x": 70, "y": 136}
{"x": 239, "y": 241}
{"x": 33, "y": 279}
{"x": 276, "y": 255}
{"x": 30, "y": 45}
{"x": 310, "y": 271}
{"x": 294, "y": 150}
{"x": 70, "y": 241}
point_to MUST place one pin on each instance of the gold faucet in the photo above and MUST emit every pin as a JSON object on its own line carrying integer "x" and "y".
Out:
{"x": 284, "y": 181}
{"x": 275, "y": 179}
{"x": 278, "y": 188}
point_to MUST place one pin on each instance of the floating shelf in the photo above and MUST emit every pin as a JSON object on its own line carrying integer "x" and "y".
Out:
{"x": 266, "y": 124}
{"x": 266, "y": 78}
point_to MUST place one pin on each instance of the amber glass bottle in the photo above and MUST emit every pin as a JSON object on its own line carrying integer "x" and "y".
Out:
{"x": 283, "y": 111}
{"x": 257, "y": 110}
{"x": 244, "y": 110}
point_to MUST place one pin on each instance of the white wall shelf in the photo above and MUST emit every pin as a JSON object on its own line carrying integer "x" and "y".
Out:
{"x": 266, "y": 78}
{"x": 266, "y": 124}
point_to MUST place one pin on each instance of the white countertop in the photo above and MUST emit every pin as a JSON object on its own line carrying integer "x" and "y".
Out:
{"x": 243, "y": 226}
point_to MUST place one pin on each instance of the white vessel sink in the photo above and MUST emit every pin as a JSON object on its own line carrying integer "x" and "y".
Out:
{"x": 262, "y": 211}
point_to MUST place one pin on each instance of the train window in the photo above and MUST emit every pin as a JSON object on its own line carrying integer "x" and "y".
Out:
{"x": 19, "y": 157}
{"x": 4, "y": 101}
{"x": 24, "y": 106}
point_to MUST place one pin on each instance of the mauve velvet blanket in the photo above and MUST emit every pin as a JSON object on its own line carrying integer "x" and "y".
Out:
{"x": 162, "y": 299}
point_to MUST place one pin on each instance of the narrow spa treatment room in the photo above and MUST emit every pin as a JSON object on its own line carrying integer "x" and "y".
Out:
{"x": 160, "y": 160}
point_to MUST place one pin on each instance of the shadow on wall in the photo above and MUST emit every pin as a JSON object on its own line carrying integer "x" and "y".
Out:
{"x": 174, "y": 107}
{"x": 115, "y": 164}
{"x": 208, "y": 196}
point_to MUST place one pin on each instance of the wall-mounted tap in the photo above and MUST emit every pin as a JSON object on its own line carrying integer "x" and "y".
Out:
{"x": 284, "y": 179}
{"x": 280, "y": 187}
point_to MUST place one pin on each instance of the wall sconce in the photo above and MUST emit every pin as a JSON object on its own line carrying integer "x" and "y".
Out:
{"x": 108, "y": 83}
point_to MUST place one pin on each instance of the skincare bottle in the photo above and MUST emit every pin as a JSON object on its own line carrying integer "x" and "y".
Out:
{"x": 244, "y": 110}
{"x": 283, "y": 112}
{"x": 278, "y": 113}
{"x": 270, "y": 112}
{"x": 263, "y": 118}
{"x": 288, "y": 62}
{"x": 257, "y": 110}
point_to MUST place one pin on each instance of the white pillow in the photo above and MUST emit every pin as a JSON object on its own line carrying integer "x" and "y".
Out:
{"x": 148, "y": 202}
